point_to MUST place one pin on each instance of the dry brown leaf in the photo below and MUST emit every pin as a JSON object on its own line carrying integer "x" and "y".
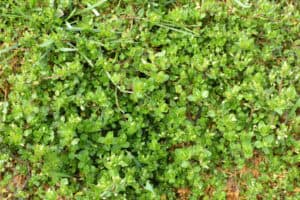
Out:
{"x": 19, "y": 181}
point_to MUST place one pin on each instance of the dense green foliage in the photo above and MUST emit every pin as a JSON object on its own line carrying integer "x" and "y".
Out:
{"x": 139, "y": 99}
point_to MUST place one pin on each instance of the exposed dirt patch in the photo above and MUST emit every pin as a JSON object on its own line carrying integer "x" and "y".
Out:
{"x": 183, "y": 193}
{"x": 209, "y": 191}
{"x": 232, "y": 189}
{"x": 181, "y": 145}
{"x": 16, "y": 183}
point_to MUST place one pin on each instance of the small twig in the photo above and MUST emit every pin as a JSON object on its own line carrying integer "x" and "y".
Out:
{"x": 5, "y": 94}
{"x": 51, "y": 77}
{"x": 117, "y": 86}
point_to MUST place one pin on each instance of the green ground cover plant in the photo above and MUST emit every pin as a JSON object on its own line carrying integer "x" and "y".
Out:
{"x": 144, "y": 99}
